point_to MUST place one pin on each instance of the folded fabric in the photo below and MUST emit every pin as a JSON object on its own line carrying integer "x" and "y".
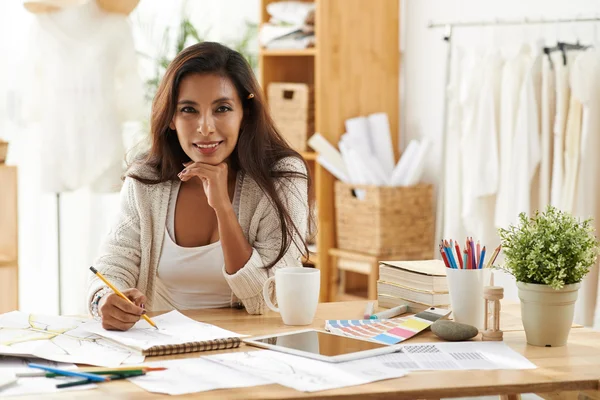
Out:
{"x": 291, "y": 12}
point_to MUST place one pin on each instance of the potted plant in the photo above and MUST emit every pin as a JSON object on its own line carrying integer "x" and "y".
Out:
{"x": 549, "y": 254}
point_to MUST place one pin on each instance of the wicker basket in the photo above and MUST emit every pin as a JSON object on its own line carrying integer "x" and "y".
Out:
{"x": 385, "y": 221}
{"x": 3, "y": 151}
{"x": 292, "y": 108}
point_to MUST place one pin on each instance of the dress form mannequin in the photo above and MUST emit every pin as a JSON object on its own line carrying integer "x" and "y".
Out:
{"x": 82, "y": 86}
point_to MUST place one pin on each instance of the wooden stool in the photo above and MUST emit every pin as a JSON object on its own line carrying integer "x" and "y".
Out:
{"x": 365, "y": 264}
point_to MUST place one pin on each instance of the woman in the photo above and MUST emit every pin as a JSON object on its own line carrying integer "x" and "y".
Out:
{"x": 216, "y": 206}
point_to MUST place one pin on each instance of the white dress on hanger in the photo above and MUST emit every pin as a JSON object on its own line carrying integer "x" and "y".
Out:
{"x": 526, "y": 152}
{"x": 482, "y": 159}
{"x": 563, "y": 94}
{"x": 585, "y": 80}
{"x": 548, "y": 111}
{"x": 453, "y": 225}
{"x": 513, "y": 74}
{"x": 83, "y": 84}
{"x": 572, "y": 143}
{"x": 469, "y": 97}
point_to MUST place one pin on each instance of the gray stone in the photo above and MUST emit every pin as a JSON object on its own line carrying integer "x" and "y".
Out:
{"x": 453, "y": 331}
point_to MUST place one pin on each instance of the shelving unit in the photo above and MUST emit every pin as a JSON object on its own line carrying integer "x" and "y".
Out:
{"x": 9, "y": 254}
{"x": 354, "y": 68}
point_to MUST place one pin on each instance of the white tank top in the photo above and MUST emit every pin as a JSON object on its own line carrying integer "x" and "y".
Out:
{"x": 189, "y": 277}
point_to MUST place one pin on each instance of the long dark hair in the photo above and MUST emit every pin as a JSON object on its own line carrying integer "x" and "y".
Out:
{"x": 259, "y": 146}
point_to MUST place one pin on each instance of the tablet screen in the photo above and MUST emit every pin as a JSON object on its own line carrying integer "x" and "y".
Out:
{"x": 325, "y": 344}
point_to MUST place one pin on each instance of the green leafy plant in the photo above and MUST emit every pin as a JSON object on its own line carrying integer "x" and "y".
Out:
{"x": 551, "y": 248}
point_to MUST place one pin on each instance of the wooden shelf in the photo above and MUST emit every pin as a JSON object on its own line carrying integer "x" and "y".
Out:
{"x": 309, "y": 155}
{"x": 288, "y": 52}
{"x": 9, "y": 253}
{"x": 7, "y": 261}
{"x": 344, "y": 52}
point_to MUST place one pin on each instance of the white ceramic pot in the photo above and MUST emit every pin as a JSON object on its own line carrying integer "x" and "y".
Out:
{"x": 547, "y": 314}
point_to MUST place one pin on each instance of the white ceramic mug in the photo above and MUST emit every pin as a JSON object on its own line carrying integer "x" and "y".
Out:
{"x": 297, "y": 293}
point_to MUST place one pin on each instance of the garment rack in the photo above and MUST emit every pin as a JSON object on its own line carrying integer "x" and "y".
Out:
{"x": 449, "y": 27}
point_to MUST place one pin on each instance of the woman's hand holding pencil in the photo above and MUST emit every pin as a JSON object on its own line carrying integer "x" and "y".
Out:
{"x": 121, "y": 310}
{"x": 473, "y": 256}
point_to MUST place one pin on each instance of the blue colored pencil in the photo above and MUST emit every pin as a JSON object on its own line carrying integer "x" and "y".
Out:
{"x": 449, "y": 255}
{"x": 64, "y": 372}
{"x": 482, "y": 259}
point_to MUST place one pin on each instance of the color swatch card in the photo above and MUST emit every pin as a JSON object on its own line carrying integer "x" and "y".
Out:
{"x": 388, "y": 331}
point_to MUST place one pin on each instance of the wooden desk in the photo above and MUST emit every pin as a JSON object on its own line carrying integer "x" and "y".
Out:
{"x": 560, "y": 369}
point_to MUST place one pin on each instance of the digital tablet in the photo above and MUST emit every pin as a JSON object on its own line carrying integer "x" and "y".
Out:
{"x": 320, "y": 345}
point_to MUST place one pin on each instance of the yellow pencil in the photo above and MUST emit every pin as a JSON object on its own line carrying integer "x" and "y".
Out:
{"x": 118, "y": 292}
{"x": 493, "y": 257}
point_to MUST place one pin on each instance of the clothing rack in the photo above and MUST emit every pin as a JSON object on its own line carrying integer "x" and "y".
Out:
{"x": 448, "y": 30}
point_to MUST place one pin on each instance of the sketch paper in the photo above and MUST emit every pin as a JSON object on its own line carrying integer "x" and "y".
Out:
{"x": 19, "y": 365}
{"x": 41, "y": 385}
{"x": 173, "y": 328}
{"x": 58, "y": 339}
{"x": 192, "y": 375}
{"x": 305, "y": 374}
{"x": 457, "y": 356}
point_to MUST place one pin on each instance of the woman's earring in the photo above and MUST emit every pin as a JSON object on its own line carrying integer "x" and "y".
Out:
{"x": 250, "y": 96}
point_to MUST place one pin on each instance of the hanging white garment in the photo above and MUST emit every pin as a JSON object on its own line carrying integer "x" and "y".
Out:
{"x": 526, "y": 143}
{"x": 585, "y": 80}
{"x": 469, "y": 96}
{"x": 84, "y": 84}
{"x": 513, "y": 74}
{"x": 571, "y": 164}
{"x": 453, "y": 225}
{"x": 548, "y": 111}
{"x": 482, "y": 162}
{"x": 563, "y": 94}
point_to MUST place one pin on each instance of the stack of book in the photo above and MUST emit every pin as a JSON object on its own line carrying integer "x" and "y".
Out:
{"x": 418, "y": 284}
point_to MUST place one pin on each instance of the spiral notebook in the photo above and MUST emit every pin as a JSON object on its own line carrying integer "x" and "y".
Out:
{"x": 176, "y": 334}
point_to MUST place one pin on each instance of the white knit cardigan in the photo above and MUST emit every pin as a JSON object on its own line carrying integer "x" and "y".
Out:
{"x": 130, "y": 253}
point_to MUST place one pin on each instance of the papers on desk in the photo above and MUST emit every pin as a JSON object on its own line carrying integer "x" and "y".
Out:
{"x": 193, "y": 375}
{"x": 366, "y": 155}
{"x": 173, "y": 328}
{"x": 59, "y": 339}
{"x": 305, "y": 374}
{"x": 457, "y": 356}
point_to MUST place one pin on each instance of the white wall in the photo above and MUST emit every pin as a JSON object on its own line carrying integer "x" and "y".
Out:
{"x": 424, "y": 54}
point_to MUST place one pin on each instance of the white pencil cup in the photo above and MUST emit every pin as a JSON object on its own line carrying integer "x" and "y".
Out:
{"x": 466, "y": 294}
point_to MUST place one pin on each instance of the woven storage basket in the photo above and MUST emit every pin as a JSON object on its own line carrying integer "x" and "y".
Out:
{"x": 3, "y": 151}
{"x": 385, "y": 221}
{"x": 292, "y": 108}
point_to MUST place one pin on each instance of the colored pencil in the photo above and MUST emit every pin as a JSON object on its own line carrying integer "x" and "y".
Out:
{"x": 93, "y": 370}
{"x": 469, "y": 257}
{"x": 121, "y": 295}
{"x": 473, "y": 261}
{"x": 482, "y": 258}
{"x": 444, "y": 257}
{"x": 465, "y": 259}
{"x": 459, "y": 255}
{"x": 73, "y": 383}
{"x": 449, "y": 255}
{"x": 499, "y": 248}
{"x": 493, "y": 257}
{"x": 478, "y": 254}
{"x": 65, "y": 372}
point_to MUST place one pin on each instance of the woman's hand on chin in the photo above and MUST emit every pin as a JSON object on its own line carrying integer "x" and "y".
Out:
{"x": 214, "y": 180}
